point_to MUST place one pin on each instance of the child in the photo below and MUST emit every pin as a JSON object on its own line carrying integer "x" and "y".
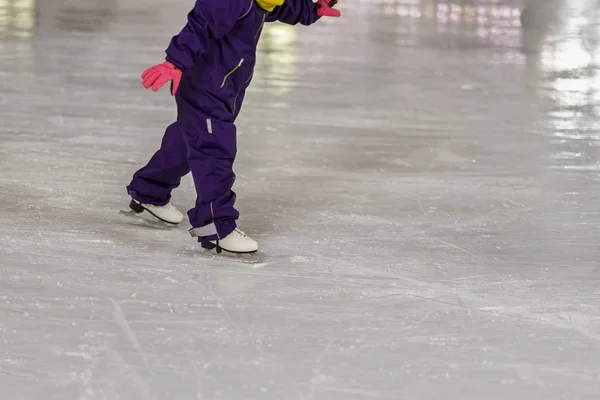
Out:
{"x": 210, "y": 65}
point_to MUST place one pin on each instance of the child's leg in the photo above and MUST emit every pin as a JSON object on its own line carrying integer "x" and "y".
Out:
{"x": 153, "y": 183}
{"x": 211, "y": 151}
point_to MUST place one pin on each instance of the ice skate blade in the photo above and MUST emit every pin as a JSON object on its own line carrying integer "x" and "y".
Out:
{"x": 246, "y": 258}
{"x": 148, "y": 219}
{"x": 219, "y": 250}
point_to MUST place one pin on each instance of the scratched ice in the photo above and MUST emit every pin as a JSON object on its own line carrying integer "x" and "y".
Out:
{"x": 422, "y": 175}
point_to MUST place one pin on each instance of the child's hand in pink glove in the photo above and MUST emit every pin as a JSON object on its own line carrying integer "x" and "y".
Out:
{"x": 326, "y": 10}
{"x": 160, "y": 74}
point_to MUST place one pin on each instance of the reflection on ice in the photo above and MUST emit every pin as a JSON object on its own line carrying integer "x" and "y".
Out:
{"x": 17, "y": 18}
{"x": 571, "y": 84}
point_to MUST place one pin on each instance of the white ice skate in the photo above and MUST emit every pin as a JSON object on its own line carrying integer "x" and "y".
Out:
{"x": 236, "y": 242}
{"x": 167, "y": 213}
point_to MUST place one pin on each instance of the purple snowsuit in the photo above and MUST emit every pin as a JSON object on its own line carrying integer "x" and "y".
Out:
{"x": 216, "y": 51}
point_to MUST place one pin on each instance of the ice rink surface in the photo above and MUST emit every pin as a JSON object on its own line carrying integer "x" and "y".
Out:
{"x": 422, "y": 176}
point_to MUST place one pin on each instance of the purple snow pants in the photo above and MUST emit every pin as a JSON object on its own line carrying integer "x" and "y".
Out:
{"x": 207, "y": 148}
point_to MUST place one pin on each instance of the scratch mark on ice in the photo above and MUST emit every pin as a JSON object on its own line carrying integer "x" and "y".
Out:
{"x": 138, "y": 383}
{"x": 455, "y": 246}
{"x": 124, "y": 325}
{"x": 314, "y": 382}
{"x": 421, "y": 205}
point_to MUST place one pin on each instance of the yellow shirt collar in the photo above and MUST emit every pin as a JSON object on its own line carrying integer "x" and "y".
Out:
{"x": 269, "y": 5}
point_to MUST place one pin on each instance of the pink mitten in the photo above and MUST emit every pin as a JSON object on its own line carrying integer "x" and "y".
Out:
{"x": 326, "y": 10}
{"x": 160, "y": 74}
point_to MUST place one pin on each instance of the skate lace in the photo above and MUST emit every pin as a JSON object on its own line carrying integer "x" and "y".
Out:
{"x": 240, "y": 232}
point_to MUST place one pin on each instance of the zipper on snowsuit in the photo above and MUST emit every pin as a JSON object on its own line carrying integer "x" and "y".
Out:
{"x": 238, "y": 94}
{"x": 231, "y": 72}
{"x": 262, "y": 23}
{"x": 264, "y": 17}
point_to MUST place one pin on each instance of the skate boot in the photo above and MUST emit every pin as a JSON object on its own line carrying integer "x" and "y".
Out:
{"x": 167, "y": 213}
{"x": 236, "y": 242}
